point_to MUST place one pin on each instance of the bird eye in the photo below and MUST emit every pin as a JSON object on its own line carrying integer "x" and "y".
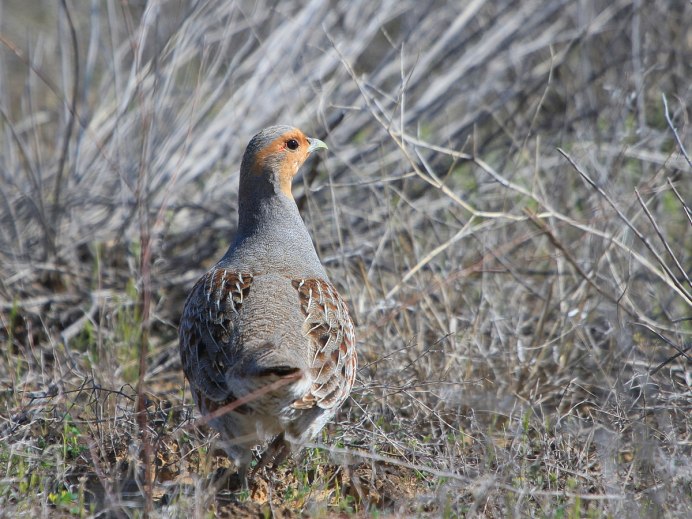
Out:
{"x": 292, "y": 144}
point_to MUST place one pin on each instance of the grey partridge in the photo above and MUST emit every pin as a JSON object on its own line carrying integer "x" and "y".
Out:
{"x": 266, "y": 342}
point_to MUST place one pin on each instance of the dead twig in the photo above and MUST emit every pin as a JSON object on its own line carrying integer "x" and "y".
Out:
{"x": 673, "y": 279}
{"x": 675, "y": 131}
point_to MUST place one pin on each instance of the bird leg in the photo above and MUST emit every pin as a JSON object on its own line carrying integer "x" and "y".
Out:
{"x": 241, "y": 457}
{"x": 277, "y": 451}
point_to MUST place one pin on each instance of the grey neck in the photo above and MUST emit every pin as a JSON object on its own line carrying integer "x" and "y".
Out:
{"x": 272, "y": 238}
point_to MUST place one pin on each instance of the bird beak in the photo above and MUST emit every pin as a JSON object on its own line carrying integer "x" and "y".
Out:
{"x": 316, "y": 144}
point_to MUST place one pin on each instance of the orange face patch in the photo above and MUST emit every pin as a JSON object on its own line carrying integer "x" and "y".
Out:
{"x": 286, "y": 154}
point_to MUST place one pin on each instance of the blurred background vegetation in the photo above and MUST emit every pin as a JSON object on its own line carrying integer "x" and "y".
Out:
{"x": 505, "y": 205}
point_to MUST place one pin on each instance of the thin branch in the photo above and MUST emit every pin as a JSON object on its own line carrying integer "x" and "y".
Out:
{"x": 685, "y": 207}
{"x": 352, "y": 453}
{"x": 56, "y": 213}
{"x": 687, "y": 296}
{"x": 674, "y": 130}
{"x": 683, "y": 272}
{"x": 559, "y": 245}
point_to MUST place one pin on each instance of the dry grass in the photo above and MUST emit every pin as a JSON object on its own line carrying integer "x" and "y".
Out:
{"x": 505, "y": 204}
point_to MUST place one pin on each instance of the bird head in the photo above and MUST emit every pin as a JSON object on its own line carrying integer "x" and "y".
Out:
{"x": 273, "y": 157}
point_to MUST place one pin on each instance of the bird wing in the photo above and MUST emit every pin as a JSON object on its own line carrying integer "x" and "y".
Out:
{"x": 208, "y": 331}
{"x": 330, "y": 330}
